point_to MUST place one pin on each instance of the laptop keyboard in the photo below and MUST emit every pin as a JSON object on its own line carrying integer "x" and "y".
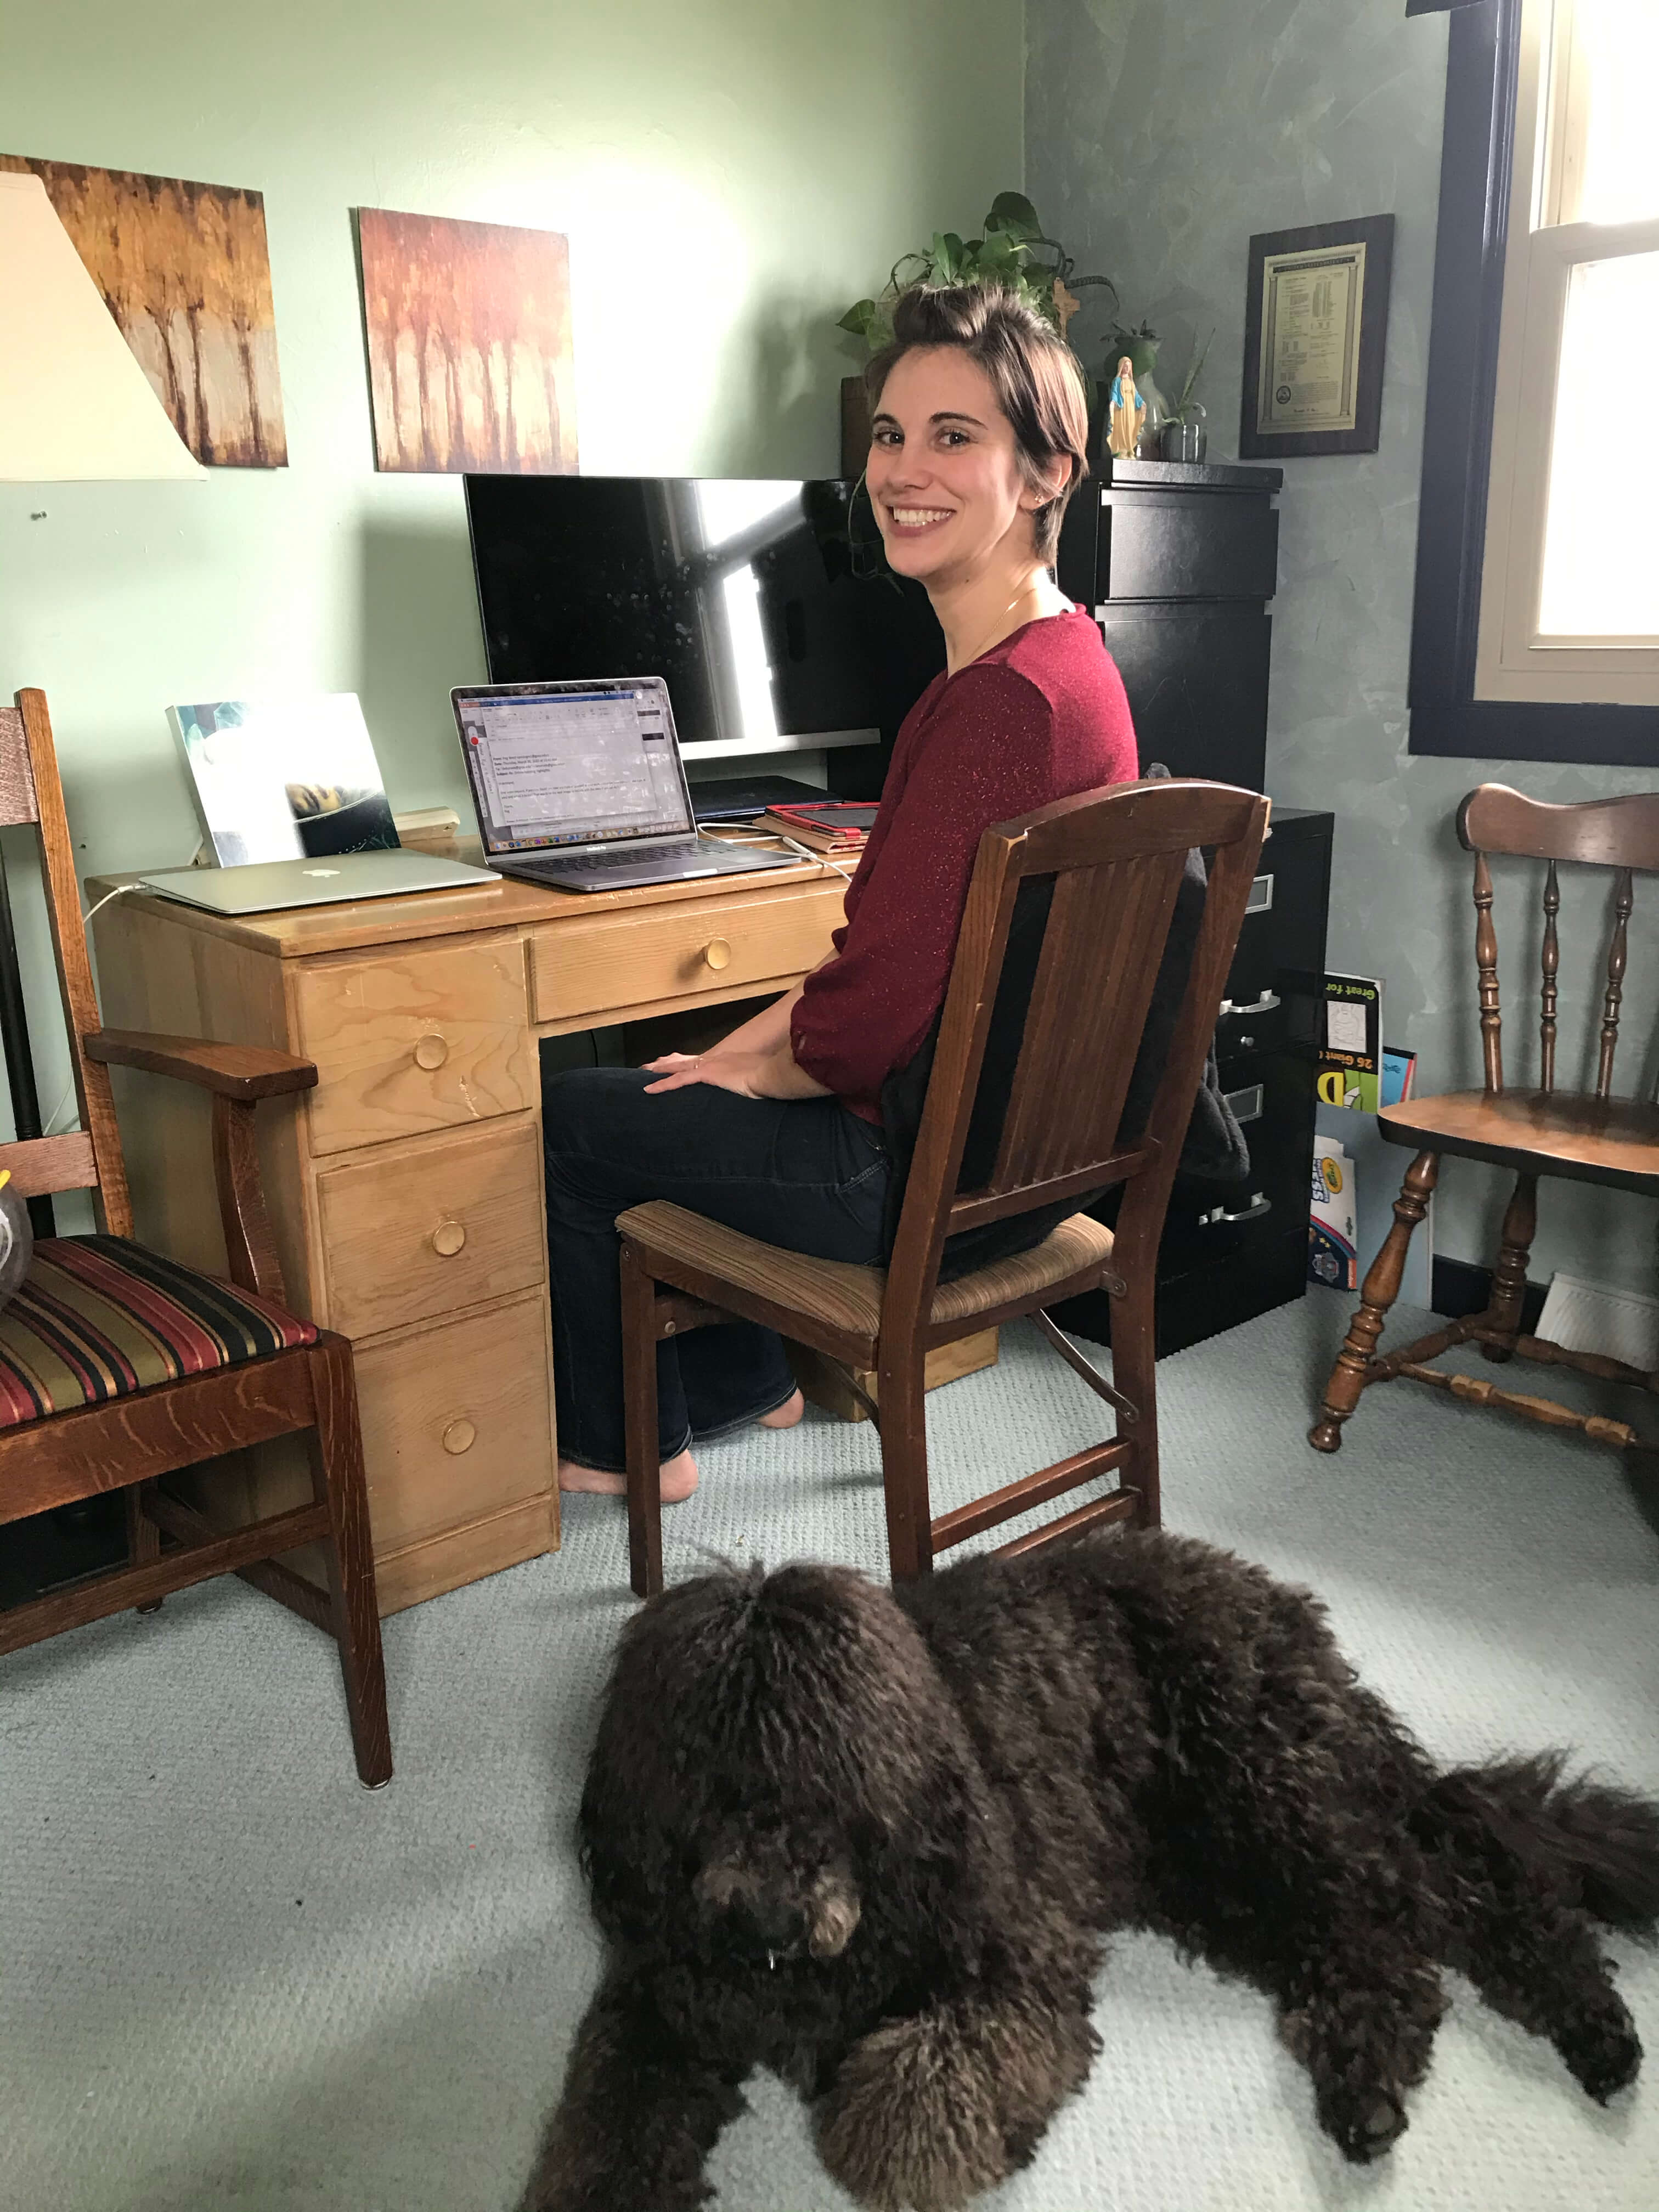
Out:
{"x": 599, "y": 863}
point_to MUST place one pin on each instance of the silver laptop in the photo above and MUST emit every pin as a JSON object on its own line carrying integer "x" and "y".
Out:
{"x": 581, "y": 786}
{"x": 266, "y": 886}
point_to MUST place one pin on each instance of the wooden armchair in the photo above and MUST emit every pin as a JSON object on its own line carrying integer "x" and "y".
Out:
{"x": 118, "y": 1367}
{"x": 1580, "y": 1136}
{"x": 1116, "y": 860}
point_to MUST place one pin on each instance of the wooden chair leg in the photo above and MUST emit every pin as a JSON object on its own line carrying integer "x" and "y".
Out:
{"x": 639, "y": 1336}
{"x": 902, "y": 1388}
{"x": 143, "y": 1537}
{"x": 1509, "y": 1280}
{"x": 338, "y": 1481}
{"x": 1381, "y": 1288}
{"x": 1134, "y": 1375}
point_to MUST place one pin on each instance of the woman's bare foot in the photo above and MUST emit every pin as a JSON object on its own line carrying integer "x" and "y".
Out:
{"x": 786, "y": 1415}
{"x": 679, "y": 1478}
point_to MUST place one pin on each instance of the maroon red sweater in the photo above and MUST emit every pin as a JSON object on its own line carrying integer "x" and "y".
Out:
{"x": 1039, "y": 717}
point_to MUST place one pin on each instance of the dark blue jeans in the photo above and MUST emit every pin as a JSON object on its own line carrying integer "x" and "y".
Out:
{"x": 802, "y": 1172}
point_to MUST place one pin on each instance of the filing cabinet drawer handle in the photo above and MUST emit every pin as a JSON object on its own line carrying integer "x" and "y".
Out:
{"x": 717, "y": 953}
{"x": 1217, "y": 1213}
{"x": 432, "y": 1051}
{"x": 460, "y": 1437}
{"x": 447, "y": 1238}
{"x": 1264, "y": 1004}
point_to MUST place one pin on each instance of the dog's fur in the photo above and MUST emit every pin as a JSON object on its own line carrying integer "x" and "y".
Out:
{"x": 872, "y": 1840}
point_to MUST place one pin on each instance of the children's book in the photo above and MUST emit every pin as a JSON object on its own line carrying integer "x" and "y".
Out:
{"x": 1350, "y": 1051}
{"x": 1333, "y": 1255}
{"x": 1398, "y": 1073}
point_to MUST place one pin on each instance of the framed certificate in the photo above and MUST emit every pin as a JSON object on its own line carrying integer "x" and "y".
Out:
{"x": 1315, "y": 324}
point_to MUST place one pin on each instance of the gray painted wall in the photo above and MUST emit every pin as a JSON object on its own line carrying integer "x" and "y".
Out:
{"x": 1158, "y": 138}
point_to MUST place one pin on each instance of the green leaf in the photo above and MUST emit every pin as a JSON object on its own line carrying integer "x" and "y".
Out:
{"x": 858, "y": 319}
{"x": 955, "y": 256}
{"x": 1012, "y": 211}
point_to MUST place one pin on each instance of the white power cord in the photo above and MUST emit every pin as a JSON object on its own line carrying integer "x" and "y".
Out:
{"x": 69, "y": 1085}
{"x": 781, "y": 837}
{"x": 807, "y": 854}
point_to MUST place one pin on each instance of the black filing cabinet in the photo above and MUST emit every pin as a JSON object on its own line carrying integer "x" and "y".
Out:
{"x": 1179, "y": 563}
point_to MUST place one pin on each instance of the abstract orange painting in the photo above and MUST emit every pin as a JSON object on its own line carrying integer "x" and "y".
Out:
{"x": 185, "y": 271}
{"x": 470, "y": 360}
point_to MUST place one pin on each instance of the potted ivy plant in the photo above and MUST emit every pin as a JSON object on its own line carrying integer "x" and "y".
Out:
{"x": 1014, "y": 252}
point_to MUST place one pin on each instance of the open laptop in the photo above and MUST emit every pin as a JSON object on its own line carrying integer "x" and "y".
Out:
{"x": 581, "y": 786}
{"x": 268, "y": 886}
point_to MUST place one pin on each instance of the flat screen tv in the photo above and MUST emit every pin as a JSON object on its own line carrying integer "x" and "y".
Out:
{"x": 766, "y": 605}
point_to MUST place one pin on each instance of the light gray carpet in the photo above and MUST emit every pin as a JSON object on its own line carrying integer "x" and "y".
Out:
{"x": 230, "y": 1978}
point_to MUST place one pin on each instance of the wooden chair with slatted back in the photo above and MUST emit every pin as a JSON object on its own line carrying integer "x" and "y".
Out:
{"x": 118, "y": 1367}
{"x": 1543, "y": 1130}
{"x": 1115, "y": 859}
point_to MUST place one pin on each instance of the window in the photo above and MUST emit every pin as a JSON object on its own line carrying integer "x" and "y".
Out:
{"x": 1570, "y": 580}
{"x": 1535, "y": 630}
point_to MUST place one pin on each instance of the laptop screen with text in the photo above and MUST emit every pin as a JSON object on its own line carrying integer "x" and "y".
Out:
{"x": 575, "y": 766}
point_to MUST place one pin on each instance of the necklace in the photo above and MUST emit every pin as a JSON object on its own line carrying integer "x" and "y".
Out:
{"x": 996, "y": 635}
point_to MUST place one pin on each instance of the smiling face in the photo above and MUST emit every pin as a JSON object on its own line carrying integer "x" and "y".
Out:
{"x": 946, "y": 478}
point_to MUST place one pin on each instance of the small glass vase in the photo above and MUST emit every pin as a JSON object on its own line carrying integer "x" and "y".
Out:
{"x": 1186, "y": 439}
{"x": 1151, "y": 430}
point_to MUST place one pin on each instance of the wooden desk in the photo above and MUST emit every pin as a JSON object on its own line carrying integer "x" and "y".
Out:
{"x": 406, "y": 1189}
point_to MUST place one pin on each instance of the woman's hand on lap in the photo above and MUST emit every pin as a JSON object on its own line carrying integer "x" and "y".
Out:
{"x": 743, "y": 1073}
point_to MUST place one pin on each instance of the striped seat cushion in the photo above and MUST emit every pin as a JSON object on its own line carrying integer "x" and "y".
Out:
{"x": 98, "y": 1318}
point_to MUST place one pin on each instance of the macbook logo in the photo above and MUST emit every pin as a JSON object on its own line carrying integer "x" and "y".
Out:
{"x": 320, "y": 871}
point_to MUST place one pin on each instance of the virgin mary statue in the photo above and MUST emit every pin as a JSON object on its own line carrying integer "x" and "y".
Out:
{"x": 1126, "y": 416}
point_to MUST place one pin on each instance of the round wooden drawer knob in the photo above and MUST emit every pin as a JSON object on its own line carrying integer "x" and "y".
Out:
{"x": 447, "y": 1238}
{"x": 459, "y": 1436}
{"x": 432, "y": 1051}
{"x": 717, "y": 952}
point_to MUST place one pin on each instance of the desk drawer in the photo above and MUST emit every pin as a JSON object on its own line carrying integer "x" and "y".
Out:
{"x": 423, "y": 1040}
{"x": 414, "y": 1236}
{"x": 621, "y": 962}
{"x": 456, "y": 1423}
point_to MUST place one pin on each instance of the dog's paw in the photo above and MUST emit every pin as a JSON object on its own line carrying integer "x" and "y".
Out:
{"x": 1363, "y": 2126}
{"x": 911, "y": 2123}
{"x": 1603, "y": 2053}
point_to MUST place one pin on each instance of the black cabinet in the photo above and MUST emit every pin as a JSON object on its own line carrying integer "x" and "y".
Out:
{"x": 1178, "y": 563}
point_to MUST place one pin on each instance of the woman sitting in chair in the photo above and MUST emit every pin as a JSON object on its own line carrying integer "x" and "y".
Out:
{"x": 980, "y": 435}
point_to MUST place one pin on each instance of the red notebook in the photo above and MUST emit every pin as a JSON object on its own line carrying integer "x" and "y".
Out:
{"x": 832, "y": 822}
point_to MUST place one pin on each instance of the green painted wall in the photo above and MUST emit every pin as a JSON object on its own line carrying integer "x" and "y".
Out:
{"x": 730, "y": 173}
{"x": 1160, "y": 137}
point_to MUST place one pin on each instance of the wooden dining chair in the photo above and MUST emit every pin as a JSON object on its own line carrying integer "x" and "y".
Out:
{"x": 1111, "y": 864}
{"x": 1540, "y": 1130}
{"x": 119, "y": 1368}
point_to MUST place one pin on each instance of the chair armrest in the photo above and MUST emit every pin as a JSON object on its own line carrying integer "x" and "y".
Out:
{"x": 234, "y": 1071}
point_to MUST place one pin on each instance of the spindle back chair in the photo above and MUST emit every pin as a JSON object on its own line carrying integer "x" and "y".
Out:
{"x": 1583, "y": 1136}
{"x": 119, "y": 1368}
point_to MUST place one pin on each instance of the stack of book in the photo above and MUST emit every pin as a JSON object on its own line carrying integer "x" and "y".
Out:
{"x": 833, "y": 825}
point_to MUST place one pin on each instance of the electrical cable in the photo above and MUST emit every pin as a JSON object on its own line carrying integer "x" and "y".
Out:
{"x": 69, "y": 1085}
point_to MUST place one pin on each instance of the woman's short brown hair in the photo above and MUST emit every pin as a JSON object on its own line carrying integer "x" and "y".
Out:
{"x": 1033, "y": 373}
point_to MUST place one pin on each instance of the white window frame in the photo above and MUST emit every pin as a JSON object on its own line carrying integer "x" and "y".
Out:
{"x": 1514, "y": 659}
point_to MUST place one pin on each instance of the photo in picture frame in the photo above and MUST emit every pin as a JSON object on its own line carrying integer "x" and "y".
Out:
{"x": 283, "y": 778}
{"x": 1315, "y": 331}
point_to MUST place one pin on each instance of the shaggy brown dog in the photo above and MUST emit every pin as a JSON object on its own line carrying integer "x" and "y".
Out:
{"x": 872, "y": 1840}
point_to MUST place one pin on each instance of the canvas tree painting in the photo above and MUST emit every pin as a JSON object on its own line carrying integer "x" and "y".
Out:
{"x": 184, "y": 270}
{"x": 470, "y": 360}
